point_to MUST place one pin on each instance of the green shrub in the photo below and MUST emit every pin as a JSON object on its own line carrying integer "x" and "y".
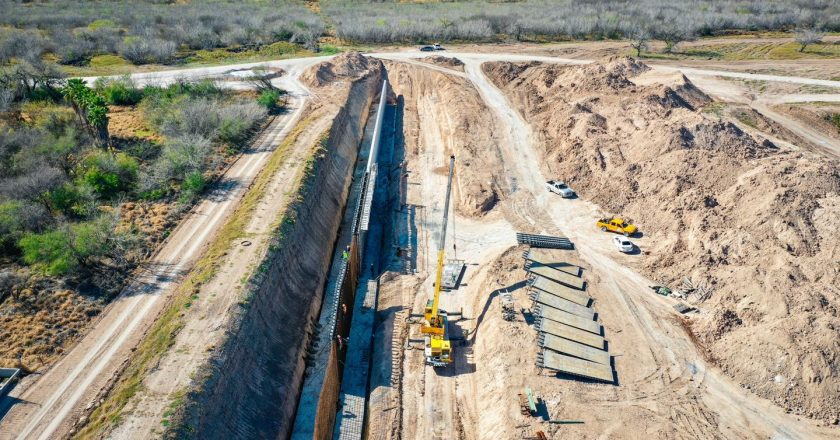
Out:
{"x": 121, "y": 91}
{"x": 10, "y": 224}
{"x": 65, "y": 249}
{"x": 834, "y": 118}
{"x": 270, "y": 99}
{"x": 49, "y": 252}
{"x": 193, "y": 185}
{"x": 109, "y": 174}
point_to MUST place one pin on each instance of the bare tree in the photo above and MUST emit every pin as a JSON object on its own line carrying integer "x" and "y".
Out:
{"x": 639, "y": 40}
{"x": 806, "y": 37}
{"x": 673, "y": 33}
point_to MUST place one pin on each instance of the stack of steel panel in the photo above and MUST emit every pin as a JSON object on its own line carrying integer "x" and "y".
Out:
{"x": 569, "y": 336}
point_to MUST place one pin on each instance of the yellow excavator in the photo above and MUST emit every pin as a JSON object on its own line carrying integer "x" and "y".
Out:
{"x": 438, "y": 347}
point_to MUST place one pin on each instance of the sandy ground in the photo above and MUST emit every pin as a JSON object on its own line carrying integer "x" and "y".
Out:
{"x": 667, "y": 388}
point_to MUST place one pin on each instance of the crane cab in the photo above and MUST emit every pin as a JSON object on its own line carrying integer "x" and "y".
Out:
{"x": 438, "y": 349}
{"x": 431, "y": 327}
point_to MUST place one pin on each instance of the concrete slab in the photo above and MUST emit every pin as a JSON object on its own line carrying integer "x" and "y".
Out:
{"x": 553, "y": 258}
{"x": 571, "y": 333}
{"x": 572, "y": 348}
{"x": 569, "y": 319}
{"x": 561, "y": 290}
{"x": 565, "y": 305}
{"x": 556, "y": 275}
{"x": 577, "y": 367}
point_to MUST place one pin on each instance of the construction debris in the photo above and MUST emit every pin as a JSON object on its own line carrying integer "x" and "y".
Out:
{"x": 508, "y": 306}
{"x": 544, "y": 241}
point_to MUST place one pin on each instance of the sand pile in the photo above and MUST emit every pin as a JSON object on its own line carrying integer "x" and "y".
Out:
{"x": 755, "y": 222}
{"x": 348, "y": 65}
{"x": 448, "y": 62}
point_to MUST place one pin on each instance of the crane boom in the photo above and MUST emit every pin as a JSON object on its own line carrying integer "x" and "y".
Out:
{"x": 438, "y": 349}
{"x": 441, "y": 247}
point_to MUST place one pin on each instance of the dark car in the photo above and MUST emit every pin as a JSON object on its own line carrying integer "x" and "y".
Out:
{"x": 427, "y": 49}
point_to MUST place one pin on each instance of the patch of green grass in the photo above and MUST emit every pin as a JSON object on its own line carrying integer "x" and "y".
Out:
{"x": 761, "y": 51}
{"x": 163, "y": 332}
{"x": 102, "y": 61}
{"x": 101, "y": 23}
{"x": 745, "y": 118}
{"x": 715, "y": 108}
{"x": 328, "y": 49}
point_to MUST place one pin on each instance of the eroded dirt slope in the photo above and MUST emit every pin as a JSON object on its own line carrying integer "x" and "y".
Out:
{"x": 750, "y": 219}
{"x": 440, "y": 107}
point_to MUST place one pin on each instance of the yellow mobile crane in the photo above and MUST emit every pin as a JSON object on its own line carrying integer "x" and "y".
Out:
{"x": 438, "y": 348}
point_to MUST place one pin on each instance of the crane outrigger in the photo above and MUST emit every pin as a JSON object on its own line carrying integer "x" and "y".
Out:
{"x": 438, "y": 347}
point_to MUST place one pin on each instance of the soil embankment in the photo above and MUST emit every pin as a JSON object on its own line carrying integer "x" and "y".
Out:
{"x": 250, "y": 387}
{"x": 443, "y": 110}
{"x": 747, "y": 218}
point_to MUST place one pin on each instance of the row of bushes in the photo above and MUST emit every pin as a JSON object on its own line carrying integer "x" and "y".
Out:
{"x": 152, "y": 32}
{"x": 415, "y": 22}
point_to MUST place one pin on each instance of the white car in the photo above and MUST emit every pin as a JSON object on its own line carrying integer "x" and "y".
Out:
{"x": 623, "y": 244}
{"x": 561, "y": 188}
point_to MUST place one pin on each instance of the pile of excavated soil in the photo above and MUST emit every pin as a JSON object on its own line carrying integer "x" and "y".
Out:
{"x": 816, "y": 116}
{"x": 346, "y": 66}
{"x": 442, "y": 108}
{"x": 448, "y": 62}
{"x": 755, "y": 222}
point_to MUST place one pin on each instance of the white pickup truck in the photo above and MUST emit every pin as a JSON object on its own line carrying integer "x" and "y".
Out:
{"x": 561, "y": 188}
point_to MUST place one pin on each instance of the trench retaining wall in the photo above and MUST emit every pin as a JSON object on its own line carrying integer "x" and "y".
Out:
{"x": 251, "y": 385}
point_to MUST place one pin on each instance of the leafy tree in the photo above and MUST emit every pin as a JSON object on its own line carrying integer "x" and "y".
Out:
{"x": 90, "y": 107}
{"x": 71, "y": 246}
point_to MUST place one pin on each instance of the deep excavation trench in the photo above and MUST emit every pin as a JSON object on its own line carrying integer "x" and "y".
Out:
{"x": 251, "y": 386}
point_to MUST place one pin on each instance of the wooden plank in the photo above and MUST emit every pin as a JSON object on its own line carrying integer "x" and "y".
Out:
{"x": 562, "y": 304}
{"x": 571, "y": 333}
{"x": 553, "y": 258}
{"x": 570, "y": 319}
{"x": 557, "y": 275}
{"x": 561, "y": 290}
{"x": 572, "y": 348}
{"x": 577, "y": 367}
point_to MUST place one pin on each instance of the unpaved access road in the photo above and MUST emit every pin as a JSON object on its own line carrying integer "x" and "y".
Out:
{"x": 49, "y": 404}
{"x": 663, "y": 375}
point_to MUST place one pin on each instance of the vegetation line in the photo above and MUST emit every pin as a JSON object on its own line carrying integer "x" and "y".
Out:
{"x": 162, "y": 334}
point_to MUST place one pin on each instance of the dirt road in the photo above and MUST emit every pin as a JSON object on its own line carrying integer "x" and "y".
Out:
{"x": 49, "y": 403}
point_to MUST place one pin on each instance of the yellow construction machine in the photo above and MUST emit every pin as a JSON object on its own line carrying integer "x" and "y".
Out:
{"x": 438, "y": 348}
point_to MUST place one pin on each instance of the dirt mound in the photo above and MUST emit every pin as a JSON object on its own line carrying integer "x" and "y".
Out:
{"x": 745, "y": 217}
{"x": 348, "y": 65}
{"x": 448, "y": 62}
{"x": 445, "y": 109}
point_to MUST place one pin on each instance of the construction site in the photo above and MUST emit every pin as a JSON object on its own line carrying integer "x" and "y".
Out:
{"x": 481, "y": 245}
